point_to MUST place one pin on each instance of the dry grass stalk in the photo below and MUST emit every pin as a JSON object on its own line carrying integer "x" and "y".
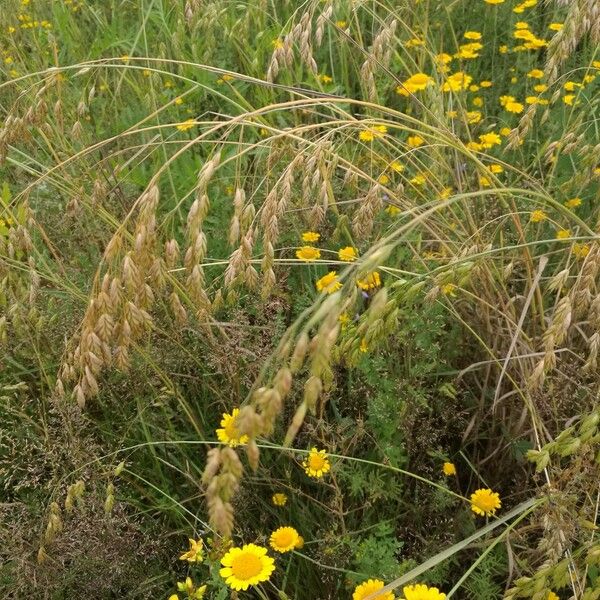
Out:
{"x": 583, "y": 18}
{"x": 584, "y": 288}
{"x": 118, "y": 313}
{"x": 191, "y": 10}
{"x": 557, "y": 331}
{"x": 239, "y": 261}
{"x": 239, "y": 201}
{"x": 364, "y": 217}
{"x": 221, "y": 477}
{"x": 319, "y": 349}
{"x": 591, "y": 363}
{"x": 301, "y": 35}
{"x": 378, "y": 57}
{"x": 518, "y": 135}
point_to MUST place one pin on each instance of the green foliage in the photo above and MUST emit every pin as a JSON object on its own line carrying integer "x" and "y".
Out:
{"x": 376, "y": 554}
{"x": 270, "y": 119}
{"x": 486, "y": 581}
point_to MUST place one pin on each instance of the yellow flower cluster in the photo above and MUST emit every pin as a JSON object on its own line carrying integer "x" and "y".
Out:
{"x": 418, "y": 591}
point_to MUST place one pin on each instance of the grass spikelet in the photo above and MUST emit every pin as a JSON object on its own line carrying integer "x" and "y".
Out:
{"x": 320, "y": 278}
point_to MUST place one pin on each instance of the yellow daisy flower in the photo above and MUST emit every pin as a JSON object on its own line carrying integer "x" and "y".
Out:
{"x": 484, "y": 502}
{"x": 414, "y": 141}
{"x": 443, "y": 58}
{"x": 316, "y": 464}
{"x": 490, "y": 139}
{"x": 535, "y": 100}
{"x": 580, "y": 250}
{"x": 370, "y": 282}
{"x": 308, "y": 253}
{"x": 347, "y": 254}
{"x": 230, "y": 434}
{"x": 514, "y": 107}
{"x": 445, "y": 193}
{"x": 368, "y": 135}
{"x": 563, "y": 234}
{"x": 279, "y": 499}
{"x": 457, "y": 82}
{"x": 415, "y": 83}
{"x": 448, "y": 289}
{"x": 573, "y": 203}
{"x": 469, "y": 51}
{"x": 474, "y": 145}
{"x": 420, "y": 591}
{"x": 284, "y": 539}
{"x": 310, "y": 236}
{"x": 369, "y": 587}
{"x": 188, "y": 124}
{"x": 328, "y": 283}
{"x": 414, "y": 42}
{"x": 195, "y": 553}
{"x": 535, "y": 74}
{"x": 449, "y": 469}
{"x": 537, "y": 216}
{"x": 418, "y": 179}
{"x": 246, "y": 566}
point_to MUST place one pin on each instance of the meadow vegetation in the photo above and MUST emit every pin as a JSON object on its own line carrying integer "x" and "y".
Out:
{"x": 299, "y": 299}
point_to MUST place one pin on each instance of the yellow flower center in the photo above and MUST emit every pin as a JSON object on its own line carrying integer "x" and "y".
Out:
{"x": 231, "y": 430}
{"x": 486, "y": 503}
{"x": 246, "y": 566}
{"x": 316, "y": 462}
{"x": 283, "y": 538}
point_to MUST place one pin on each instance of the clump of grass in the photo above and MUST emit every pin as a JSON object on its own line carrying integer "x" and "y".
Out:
{"x": 340, "y": 253}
